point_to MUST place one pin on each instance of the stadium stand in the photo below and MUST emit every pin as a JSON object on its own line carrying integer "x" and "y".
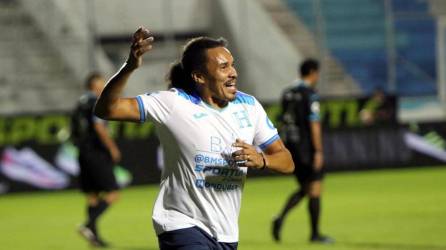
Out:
{"x": 33, "y": 74}
{"x": 47, "y": 46}
{"x": 335, "y": 80}
{"x": 356, "y": 36}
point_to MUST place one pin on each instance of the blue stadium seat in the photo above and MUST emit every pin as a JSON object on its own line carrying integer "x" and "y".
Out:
{"x": 356, "y": 35}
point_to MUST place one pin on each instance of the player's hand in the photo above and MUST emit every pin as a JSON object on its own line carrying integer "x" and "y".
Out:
{"x": 318, "y": 160}
{"x": 141, "y": 43}
{"x": 247, "y": 155}
{"x": 116, "y": 155}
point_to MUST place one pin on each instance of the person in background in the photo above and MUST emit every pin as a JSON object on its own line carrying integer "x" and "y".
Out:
{"x": 377, "y": 109}
{"x": 98, "y": 153}
{"x": 302, "y": 135}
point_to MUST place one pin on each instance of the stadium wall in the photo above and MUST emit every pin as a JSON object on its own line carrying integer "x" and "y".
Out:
{"x": 67, "y": 26}
{"x": 265, "y": 58}
{"x": 115, "y": 17}
{"x": 264, "y": 55}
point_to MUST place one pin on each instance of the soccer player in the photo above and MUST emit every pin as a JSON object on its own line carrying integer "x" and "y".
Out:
{"x": 301, "y": 130}
{"x": 97, "y": 155}
{"x": 209, "y": 131}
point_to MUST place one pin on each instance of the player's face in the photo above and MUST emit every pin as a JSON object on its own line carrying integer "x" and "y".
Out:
{"x": 315, "y": 76}
{"x": 98, "y": 85}
{"x": 221, "y": 76}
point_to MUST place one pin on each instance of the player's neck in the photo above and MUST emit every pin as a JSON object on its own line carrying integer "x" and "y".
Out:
{"x": 214, "y": 102}
{"x": 211, "y": 101}
{"x": 308, "y": 82}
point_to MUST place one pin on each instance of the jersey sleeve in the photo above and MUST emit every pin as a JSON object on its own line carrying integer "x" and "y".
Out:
{"x": 266, "y": 133}
{"x": 315, "y": 108}
{"x": 157, "y": 106}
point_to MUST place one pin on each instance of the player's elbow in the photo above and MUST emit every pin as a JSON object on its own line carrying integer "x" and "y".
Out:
{"x": 282, "y": 162}
{"x": 290, "y": 168}
{"x": 290, "y": 165}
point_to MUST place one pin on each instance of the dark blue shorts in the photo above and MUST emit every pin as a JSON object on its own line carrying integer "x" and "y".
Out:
{"x": 192, "y": 238}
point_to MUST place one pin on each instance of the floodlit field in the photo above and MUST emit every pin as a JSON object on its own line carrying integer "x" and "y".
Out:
{"x": 388, "y": 209}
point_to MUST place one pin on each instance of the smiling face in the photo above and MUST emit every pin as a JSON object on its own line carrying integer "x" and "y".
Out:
{"x": 218, "y": 83}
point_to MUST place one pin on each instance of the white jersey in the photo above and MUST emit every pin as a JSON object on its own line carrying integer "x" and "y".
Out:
{"x": 200, "y": 183}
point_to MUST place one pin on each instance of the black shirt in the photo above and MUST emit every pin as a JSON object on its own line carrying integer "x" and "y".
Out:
{"x": 300, "y": 107}
{"x": 83, "y": 133}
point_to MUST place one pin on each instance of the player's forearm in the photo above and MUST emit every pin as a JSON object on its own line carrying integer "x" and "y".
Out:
{"x": 109, "y": 143}
{"x": 280, "y": 161}
{"x": 105, "y": 138}
{"x": 316, "y": 136}
{"x": 112, "y": 148}
{"x": 109, "y": 97}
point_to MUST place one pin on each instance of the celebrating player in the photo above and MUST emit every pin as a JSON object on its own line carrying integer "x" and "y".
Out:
{"x": 210, "y": 133}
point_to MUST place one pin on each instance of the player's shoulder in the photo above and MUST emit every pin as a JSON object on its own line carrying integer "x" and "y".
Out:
{"x": 307, "y": 91}
{"x": 87, "y": 96}
{"x": 290, "y": 90}
{"x": 243, "y": 98}
{"x": 163, "y": 94}
{"x": 298, "y": 86}
{"x": 159, "y": 92}
{"x": 87, "y": 100}
{"x": 293, "y": 93}
{"x": 181, "y": 93}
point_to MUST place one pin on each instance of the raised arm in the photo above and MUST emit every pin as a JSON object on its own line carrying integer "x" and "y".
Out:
{"x": 110, "y": 104}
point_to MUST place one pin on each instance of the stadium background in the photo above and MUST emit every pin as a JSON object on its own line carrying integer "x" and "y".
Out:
{"x": 47, "y": 48}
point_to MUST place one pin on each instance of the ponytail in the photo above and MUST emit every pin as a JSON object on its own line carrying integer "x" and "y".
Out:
{"x": 178, "y": 78}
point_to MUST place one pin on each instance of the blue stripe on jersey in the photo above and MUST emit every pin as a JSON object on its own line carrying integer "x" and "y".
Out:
{"x": 314, "y": 117}
{"x": 314, "y": 97}
{"x": 241, "y": 97}
{"x": 195, "y": 99}
{"x": 269, "y": 141}
{"x": 142, "y": 114}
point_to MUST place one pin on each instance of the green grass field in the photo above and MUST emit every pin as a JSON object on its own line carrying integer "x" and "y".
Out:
{"x": 388, "y": 209}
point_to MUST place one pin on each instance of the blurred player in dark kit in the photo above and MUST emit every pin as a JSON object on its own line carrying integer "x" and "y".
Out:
{"x": 97, "y": 155}
{"x": 302, "y": 134}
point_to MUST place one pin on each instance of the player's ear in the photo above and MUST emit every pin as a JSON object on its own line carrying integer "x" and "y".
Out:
{"x": 198, "y": 77}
